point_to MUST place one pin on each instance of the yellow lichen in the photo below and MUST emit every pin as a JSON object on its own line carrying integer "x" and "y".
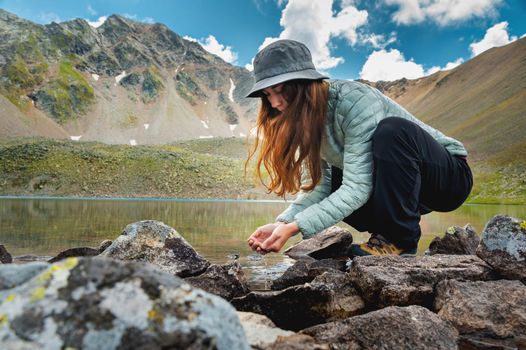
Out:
{"x": 38, "y": 294}
{"x": 67, "y": 264}
{"x": 70, "y": 263}
{"x": 451, "y": 230}
{"x": 523, "y": 225}
{"x": 155, "y": 316}
{"x": 10, "y": 297}
{"x": 3, "y": 319}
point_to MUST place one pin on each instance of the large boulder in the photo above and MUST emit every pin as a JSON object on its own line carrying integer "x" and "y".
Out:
{"x": 503, "y": 246}
{"x": 492, "y": 312}
{"x": 5, "y": 257}
{"x": 333, "y": 242}
{"x": 394, "y": 280}
{"x": 412, "y": 327}
{"x": 154, "y": 242}
{"x": 330, "y": 296}
{"x": 261, "y": 332}
{"x": 226, "y": 281}
{"x": 98, "y": 303}
{"x": 456, "y": 240}
{"x": 304, "y": 271}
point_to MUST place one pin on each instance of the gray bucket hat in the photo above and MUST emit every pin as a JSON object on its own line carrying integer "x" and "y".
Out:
{"x": 282, "y": 61}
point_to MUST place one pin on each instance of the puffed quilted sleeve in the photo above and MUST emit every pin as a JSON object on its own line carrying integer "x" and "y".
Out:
{"x": 306, "y": 199}
{"x": 358, "y": 114}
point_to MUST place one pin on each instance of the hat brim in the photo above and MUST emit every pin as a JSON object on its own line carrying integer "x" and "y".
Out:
{"x": 309, "y": 74}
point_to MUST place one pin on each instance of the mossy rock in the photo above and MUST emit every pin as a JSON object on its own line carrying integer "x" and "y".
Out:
{"x": 67, "y": 96}
{"x": 151, "y": 85}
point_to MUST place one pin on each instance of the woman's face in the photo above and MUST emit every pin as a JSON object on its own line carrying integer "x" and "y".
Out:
{"x": 275, "y": 97}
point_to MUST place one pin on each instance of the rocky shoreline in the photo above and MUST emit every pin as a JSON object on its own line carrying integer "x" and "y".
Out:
{"x": 149, "y": 289}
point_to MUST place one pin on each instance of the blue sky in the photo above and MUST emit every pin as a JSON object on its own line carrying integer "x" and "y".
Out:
{"x": 349, "y": 39}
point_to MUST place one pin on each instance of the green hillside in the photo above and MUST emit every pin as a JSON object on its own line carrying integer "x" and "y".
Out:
{"x": 196, "y": 169}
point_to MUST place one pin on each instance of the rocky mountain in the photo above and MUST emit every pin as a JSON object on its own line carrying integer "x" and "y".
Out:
{"x": 123, "y": 82}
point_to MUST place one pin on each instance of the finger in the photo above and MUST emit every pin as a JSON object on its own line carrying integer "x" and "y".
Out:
{"x": 269, "y": 242}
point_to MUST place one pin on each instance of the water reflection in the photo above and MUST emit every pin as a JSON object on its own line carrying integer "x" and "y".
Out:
{"x": 215, "y": 229}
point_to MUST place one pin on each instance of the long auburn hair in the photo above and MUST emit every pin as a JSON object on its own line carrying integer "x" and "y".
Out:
{"x": 290, "y": 138}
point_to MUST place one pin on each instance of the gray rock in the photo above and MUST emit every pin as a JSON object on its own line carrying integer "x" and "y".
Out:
{"x": 330, "y": 243}
{"x": 154, "y": 242}
{"x": 12, "y": 275}
{"x": 98, "y": 303}
{"x": 412, "y": 327}
{"x": 28, "y": 258}
{"x": 300, "y": 342}
{"x": 456, "y": 240}
{"x": 304, "y": 271}
{"x": 260, "y": 330}
{"x": 394, "y": 280}
{"x": 492, "y": 312}
{"x": 5, "y": 257}
{"x": 226, "y": 281}
{"x": 503, "y": 246}
{"x": 330, "y": 296}
{"x": 72, "y": 252}
{"x": 103, "y": 245}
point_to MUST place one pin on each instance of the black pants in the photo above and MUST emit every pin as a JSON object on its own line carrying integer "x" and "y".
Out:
{"x": 413, "y": 175}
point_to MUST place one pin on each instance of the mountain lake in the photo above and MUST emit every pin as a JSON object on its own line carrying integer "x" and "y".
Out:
{"x": 217, "y": 229}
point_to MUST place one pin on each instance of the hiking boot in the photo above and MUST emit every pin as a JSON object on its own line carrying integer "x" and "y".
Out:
{"x": 378, "y": 245}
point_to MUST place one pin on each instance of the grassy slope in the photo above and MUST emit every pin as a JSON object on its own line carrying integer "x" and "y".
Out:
{"x": 200, "y": 169}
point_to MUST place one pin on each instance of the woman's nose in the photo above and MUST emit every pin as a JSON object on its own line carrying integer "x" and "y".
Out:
{"x": 275, "y": 100}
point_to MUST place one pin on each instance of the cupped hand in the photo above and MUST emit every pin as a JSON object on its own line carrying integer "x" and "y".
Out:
{"x": 260, "y": 235}
{"x": 279, "y": 237}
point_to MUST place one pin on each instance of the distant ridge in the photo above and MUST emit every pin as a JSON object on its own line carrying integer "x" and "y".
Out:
{"x": 122, "y": 82}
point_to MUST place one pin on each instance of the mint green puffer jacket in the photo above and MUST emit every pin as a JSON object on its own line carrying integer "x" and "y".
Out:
{"x": 354, "y": 110}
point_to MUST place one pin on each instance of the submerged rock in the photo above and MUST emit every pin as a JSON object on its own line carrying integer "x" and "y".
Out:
{"x": 304, "y": 271}
{"x": 333, "y": 242}
{"x": 5, "y": 257}
{"x": 154, "y": 242}
{"x": 412, "y": 327}
{"x": 260, "y": 330}
{"x": 456, "y": 240}
{"x": 330, "y": 296}
{"x": 226, "y": 281}
{"x": 503, "y": 246}
{"x": 394, "y": 280}
{"x": 99, "y": 303}
{"x": 491, "y": 312}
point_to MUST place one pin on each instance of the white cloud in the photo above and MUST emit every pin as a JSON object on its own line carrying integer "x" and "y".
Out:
{"x": 378, "y": 41}
{"x": 98, "y": 22}
{"x": 448, "y": 66}
{"x": 250, "y": 66}
{"x": 211, "y": 45}
{"x": 314, "y": 24}
{"x": 523, "y": 35}
{"x": 495, "y": 36}
{"x": 390, "y": 65}
{"x": 48, "y": 17}
{"x": 91, "y": 10}
{"x": 443, "y": 12}
{"x": 136, "y": 18}
{"x": 189, "y": 38}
